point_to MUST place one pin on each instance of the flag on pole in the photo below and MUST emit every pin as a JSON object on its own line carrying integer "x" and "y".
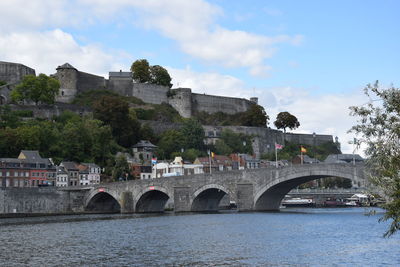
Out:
{"x": 278, "y": 146}
{"x": 303, "y": 149}
{"x": 212, "y": 154}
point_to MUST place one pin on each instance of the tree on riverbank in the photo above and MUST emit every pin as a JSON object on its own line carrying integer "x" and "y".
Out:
{"x": 379, "y": 127}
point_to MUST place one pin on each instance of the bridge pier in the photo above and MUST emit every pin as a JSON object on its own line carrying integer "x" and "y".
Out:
{"x": 127, "y": 205}
{"x": 244, "y": 194}
{"x": 182, "y": 199}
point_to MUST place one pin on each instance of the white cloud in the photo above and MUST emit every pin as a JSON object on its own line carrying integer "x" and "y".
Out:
{"x": 44, "y": 51}
{"x": 208, "y": 82}
{"x": 323, "y": 114}
{"x": 192, "y": 25}
{"x": 33, "y": 15}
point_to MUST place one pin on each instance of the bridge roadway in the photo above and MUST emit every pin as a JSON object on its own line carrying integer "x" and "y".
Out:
{"x": 251, "y": 189}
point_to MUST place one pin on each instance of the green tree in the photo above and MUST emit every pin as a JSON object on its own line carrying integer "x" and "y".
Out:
{"x": 238, "y": 143}
{"x": 221, "y": 148}
{"x": 160, "y": 76}
{"x": 114, "y": 111}
{"x": 379, "y": 128}
{"x": 121, "y": 168}
{"x": 2, "y": 83}
{"x": 41, "y": 89}
{"x": 8, "y": 118}
{"x": 255, "y": 116}
{"x": 170, "y": 141}
{"x": 286, "y": 120}
{"x": 147, "y": 133}
{"x": 141, "y": 71}
{"x": 76, "y": 142}
{"x": 8, "y": 143}
{"x": 193, "y": 134}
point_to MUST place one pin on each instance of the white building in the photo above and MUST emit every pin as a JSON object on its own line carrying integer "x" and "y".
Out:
{"x": 175, "y": 168}
{"x": 89, "y": 174}
{"x": 61, "y": 177}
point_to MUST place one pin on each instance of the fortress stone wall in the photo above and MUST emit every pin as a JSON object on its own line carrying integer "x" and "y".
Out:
{"x": 14, "y": 72}
{"x": 182, "y": 99}
{"x": 87, "y": 81}
{"x": 73, "y": 82}
{"x": 213, "y": 104}
{"x": 263, "y": 138}
{"x": 150, "y": 93}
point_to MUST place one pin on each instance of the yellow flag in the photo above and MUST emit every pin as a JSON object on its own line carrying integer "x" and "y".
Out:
{"x": 303, "y": 149}
{"x": 212, "y": 154}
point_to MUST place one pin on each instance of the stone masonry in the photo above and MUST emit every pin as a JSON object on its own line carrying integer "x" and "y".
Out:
{"x": 250, "y": 189}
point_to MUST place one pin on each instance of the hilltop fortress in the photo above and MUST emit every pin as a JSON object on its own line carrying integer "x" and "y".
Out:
{"x": 183, "y": 100}
{"x": 74, "y": 82}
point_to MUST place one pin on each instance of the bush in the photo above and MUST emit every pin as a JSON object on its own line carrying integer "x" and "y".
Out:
{"x": 24, "y": 113}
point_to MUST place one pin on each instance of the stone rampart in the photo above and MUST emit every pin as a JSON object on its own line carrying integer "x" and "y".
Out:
{"x": 181, "y": 100}
{"x": 5, "y": 91}
{"x": 14, "y": 72}
{"x": 263, "y": 139}
{"x": 121, "y": 85}
{"x": 48, "y": 111}
{"x": 150, "y": 93}
{"x": 308, "y": 139}
{"x": 87, "y": 81}
{"x": 213, "y": 104}
{"x": 159, "y": 127}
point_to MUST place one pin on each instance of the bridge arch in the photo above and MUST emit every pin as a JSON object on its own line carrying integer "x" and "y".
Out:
{"x": 208, "y": 197}
{"x": 269, "y": 196}
{"x": 152, "y": 199}
{"x": 102, "y": 201}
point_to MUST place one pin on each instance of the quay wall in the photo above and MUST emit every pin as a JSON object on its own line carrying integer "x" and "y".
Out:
{"x": 40, "y": 201}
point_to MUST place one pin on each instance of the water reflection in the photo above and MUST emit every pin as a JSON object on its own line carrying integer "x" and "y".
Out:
{"x": 294, "y": 237}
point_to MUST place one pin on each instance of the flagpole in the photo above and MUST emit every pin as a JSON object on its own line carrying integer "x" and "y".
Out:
{"x": 276, "y": 156}
{"x": 209, "y": 158}
{"x": 301, "y": 155}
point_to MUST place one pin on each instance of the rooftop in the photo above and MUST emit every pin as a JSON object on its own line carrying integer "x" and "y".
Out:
{"x": 66, "y": 66}
{"x": 144, "y": 144}
{"x": 120, "y": 74}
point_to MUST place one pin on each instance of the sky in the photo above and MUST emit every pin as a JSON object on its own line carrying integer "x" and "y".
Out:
{"x": 311, "y": 58}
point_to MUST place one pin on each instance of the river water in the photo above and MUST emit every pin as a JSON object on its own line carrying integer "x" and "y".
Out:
{"x": 292, "y": 237}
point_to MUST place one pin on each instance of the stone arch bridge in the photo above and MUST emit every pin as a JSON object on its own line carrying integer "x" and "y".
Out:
{"x": 251, "y": 189}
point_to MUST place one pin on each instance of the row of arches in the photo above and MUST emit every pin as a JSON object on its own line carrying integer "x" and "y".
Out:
{"x": 155, "y": 201}
{"x": 206, "y": 199}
